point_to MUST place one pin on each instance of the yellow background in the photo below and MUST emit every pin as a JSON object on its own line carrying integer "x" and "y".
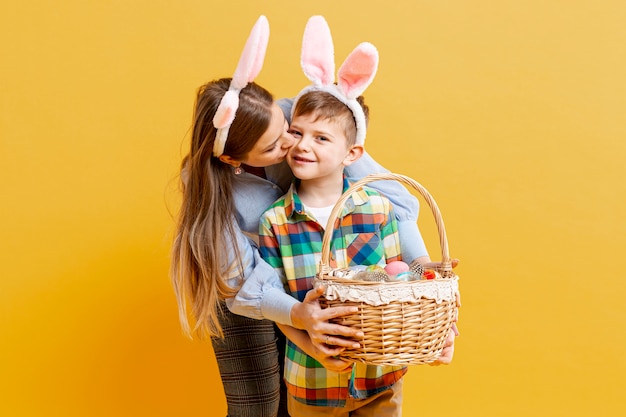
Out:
{"x": 510, "y": 112}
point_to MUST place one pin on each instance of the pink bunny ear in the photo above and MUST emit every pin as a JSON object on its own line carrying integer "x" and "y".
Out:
{"x": 253, "y": 54}
{"x": 225, "y": 113}
{"x": 318, "y": 53}
{"x": 358, "y": 70}
{"x": 355, "y": 75}
{"x": 249, "y": 66}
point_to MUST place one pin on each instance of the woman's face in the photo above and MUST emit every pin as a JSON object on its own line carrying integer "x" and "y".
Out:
{"x": 272, "y": 147}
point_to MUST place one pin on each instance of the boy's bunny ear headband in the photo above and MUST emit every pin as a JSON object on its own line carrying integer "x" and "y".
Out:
{"x": 249, "y": 66}
{"x": 354, "y": 76}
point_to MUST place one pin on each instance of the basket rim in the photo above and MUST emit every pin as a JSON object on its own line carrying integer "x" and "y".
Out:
{"x": 377, "y": 293}
{"x": 352, "y": 281}
{"x": 446, "y": 263}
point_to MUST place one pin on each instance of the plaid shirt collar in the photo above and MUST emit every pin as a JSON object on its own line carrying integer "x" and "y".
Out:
{"x": 295, "y": 207}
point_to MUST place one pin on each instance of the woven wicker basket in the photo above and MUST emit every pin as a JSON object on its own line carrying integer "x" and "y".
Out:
{"x": 404, "y": 323}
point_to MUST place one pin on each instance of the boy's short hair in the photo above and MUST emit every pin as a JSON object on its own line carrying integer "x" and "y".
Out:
{"x": 325, "y": 106}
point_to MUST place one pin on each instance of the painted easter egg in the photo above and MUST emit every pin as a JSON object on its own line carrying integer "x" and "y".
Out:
{"x": 396, "y": 267}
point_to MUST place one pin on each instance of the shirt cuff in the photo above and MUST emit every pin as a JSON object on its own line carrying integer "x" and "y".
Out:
{"x": 276, "y": 306}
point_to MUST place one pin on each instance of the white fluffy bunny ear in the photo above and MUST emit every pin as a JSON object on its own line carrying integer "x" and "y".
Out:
{"x": 358, "y": 70}
{"x": 318, "y": 53}
{"x": 249, "y": 66}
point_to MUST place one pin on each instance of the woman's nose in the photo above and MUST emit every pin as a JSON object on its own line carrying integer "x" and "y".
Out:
{"x": 287, "y": 141}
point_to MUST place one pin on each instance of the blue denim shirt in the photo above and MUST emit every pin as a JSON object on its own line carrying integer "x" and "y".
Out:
{"x": 262, "y": 294}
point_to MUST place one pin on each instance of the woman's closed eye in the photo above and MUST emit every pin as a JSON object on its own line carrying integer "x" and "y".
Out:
{"x": 271, "y": 147}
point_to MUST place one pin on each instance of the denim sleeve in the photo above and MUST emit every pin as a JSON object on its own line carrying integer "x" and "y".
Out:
{"x": 261, "y": 295}
{"x": 405, "y": 205}
{"x": 285, "y": 105}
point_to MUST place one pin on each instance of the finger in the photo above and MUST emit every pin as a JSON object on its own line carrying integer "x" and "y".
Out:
{"x": 335, "y": 312}
{"x": 445, "y": 358}
{"x": 436, "y": 265}
{"x": 450, "y": 338}
{"x": 341, "y": 342}
{"x": 343, "y": 331}
{"x": 329, "y": 350}
{"x": 448, "y": 351}
{"x": 455, "y": 330}
{"x": 314, "y": 294}
{"x": 337, "y": 365}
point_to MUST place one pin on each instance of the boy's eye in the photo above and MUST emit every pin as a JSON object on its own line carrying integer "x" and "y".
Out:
{"x": 294, "y": 133}
{"x": 322, "y": 138}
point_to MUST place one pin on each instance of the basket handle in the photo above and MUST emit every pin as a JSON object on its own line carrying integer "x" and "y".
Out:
{"x": 446, "y": 264}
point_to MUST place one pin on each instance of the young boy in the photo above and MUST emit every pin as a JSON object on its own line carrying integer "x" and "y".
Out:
{"x": 365, "y": 233}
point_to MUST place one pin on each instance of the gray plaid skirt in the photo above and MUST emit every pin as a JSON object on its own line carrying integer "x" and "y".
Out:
{"x": 250, "y": 359}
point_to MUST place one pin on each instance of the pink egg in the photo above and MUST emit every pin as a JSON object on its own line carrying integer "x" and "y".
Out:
{"x": 396, "y": 267}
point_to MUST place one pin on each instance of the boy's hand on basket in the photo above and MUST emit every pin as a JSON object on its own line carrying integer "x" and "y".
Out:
{"x": 324, "y": 354}
{"x": 448, "y": 349}
{"x": 310, "y": 316}
{"x": 329, "y": 361}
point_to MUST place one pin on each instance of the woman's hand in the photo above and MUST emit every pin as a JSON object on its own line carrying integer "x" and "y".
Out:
{"x": 426, "y": 263}
{"x": 325, "y": 336}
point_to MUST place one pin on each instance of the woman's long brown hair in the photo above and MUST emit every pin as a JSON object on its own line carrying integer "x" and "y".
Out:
{"x": 205, "y": 240}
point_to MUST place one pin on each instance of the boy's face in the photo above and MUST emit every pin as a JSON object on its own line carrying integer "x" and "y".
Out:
{"x": 321, "y": 148}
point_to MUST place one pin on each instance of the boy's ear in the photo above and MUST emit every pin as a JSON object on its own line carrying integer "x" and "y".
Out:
{"x": 354, "y": 153}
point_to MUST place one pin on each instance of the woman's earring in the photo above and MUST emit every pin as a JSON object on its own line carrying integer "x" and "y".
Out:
{"x": 238, "y": 170}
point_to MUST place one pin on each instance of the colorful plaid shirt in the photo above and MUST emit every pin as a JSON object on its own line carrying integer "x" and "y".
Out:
{"x": 365, "y": 233}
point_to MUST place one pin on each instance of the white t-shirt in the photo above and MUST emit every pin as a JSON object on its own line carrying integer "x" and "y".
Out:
{"x": 321, "y": 214}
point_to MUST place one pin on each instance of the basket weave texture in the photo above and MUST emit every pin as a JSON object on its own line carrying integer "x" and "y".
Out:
{"x": 404, "y": 323}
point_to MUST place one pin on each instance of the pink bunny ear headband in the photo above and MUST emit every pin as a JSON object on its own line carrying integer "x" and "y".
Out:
{"x": 249, "y": 66}
{"x": 354, "y": 76}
